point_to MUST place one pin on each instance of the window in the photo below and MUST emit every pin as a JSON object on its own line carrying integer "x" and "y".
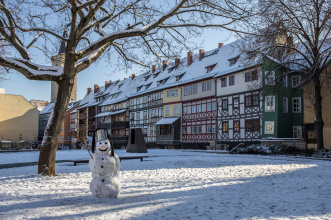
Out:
{"x": 223, "y": 82}
{"x": 254, "y": 75}
{"x": 213, "y": 129}
{"x": 270, "y": 77}
{"x": 184, "y": 110}
{"x": 198, "y": 108}
{"x": 204, "y": 86}
{"x": 68, "y": 138}
{"x": 175, "y": 109}
{"x": 151, "y": 131}
{"x": 225, "y": 127}
{"x": 248, "y": 101}
{"x": 61, "y": 138}
{"x": 165, "y": 129}
{"x": 68, "y": 129}
{"x": 231, "y": 80}
{"x": 208, "y": 128}
{"x": 172, "y": 93}
{"x": 269, "y": 127}
{"x": 248, "y": 125}
{"x": 233, "y": 60}
{"x": 270, "y": 103}
{"x": 225, "y": 104}
{"x": 195, "y": 89}
{"x": 209, "y": 85}
{"x": 285, "y": 104}
{"x": 208, "y": 107}
{"x": 285, "y": 81}
{"x": 256, "y": 125}
{"x": 184, "y": 130}
{"x": 194, "y": 130}
{"x": 190, "y": 89}
{"x": 167, "y": 111}
{"x": 213, "y": 106}
{"x": 248, "y": 77}
{"x": 132, "y": 116}
{"x": 145, "y": 114}
{"x": 210, "y": 68}
{"x": 296, "y": 104}
{"x": 236, "y": 126}
{"x": 255, "y": 100}
{"x": 185, "y": 90}
{"x": 194, "y": 109}
{"x": 297, "y": 132}
{"x": 199, "y": 129}
{"x": 236, "y": 102}
{"x": 296, "y": 81}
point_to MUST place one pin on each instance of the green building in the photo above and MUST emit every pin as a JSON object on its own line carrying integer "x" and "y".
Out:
{"x": 282, "y": 115}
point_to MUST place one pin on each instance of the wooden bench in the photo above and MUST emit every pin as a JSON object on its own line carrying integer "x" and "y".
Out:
{"x": 121, "y": 158}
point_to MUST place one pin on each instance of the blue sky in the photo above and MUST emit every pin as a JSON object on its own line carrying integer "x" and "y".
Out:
{"x": 99, "y": 72}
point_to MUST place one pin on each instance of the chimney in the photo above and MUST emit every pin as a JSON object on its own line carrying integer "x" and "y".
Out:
{"x": 153, "y": 68}
{"x": 133, "y": 75}
{"x": 96, "y": 88}
{"x": 189, "y": 58}
{"x": 110, "y": 82}
{"x": 89, "y": 90}
{"x": 220, "y": 45}
{"x": 201, "y": 54}
{"x": 177, "y": 62}
{"x": 164, "y": 64}
{"x": 125, "y": 78}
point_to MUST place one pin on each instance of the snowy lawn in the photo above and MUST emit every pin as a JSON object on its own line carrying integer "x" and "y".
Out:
{"x": 171, "y": 184}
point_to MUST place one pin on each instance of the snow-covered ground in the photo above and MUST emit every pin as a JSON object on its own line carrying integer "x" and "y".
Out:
{"x": 171, "y": 184}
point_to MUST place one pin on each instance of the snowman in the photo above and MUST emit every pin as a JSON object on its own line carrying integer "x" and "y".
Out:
{"x": 105, "y": 166}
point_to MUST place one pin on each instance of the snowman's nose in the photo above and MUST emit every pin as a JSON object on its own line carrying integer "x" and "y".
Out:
{"x": 103, "y": 147}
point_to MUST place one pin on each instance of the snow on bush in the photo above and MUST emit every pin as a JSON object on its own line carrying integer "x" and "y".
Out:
{"x": 281, "y": 150}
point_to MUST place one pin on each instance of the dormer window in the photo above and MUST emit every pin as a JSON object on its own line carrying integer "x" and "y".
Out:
{"x": 147, "y": 77}
{"x": 162, "y": 81}
{"x": 179, "y": 76}
{"x": 210, "y": 68}
{"x": 119, "y": 85}
{"x": 156, "y": 74}
{"x": 148, "y": 85}
{"x": 234, "y": 60}
{"x": 138, "y": 88}
{"x": 171, "y": 69}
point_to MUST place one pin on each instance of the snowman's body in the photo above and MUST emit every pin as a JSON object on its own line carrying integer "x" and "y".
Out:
{"x": 105, "y": 171}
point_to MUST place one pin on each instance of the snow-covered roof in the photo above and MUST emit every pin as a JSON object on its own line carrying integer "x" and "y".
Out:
{"x": 148, "y": 82}
{"x": 167, "y": 121}
{"x": 48, "y": 109}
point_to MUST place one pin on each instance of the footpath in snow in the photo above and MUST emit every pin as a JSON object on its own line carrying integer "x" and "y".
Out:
{"x": 171, "y": 184}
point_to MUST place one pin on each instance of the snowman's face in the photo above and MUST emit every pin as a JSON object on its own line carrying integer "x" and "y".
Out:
{"x": 103, "y": 146}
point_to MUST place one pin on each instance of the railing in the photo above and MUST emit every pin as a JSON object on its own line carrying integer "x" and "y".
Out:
{"x": 82, "y": 127}
{"x": 120, "y": 124}
{"x": 82, "y": 116}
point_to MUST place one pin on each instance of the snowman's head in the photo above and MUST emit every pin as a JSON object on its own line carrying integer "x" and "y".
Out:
{"x": 103, "y": 146}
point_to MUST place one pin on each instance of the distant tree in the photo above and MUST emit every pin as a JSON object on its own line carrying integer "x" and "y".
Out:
{"x": 134, "y": 29}
{"x": 296, "y": 35}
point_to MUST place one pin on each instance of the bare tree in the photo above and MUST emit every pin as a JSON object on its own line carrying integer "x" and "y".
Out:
{"x": 134, "y": 29}
{"x": 296, "y": 35}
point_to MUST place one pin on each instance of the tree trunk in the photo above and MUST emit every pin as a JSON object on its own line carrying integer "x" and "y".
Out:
{"x": 46, "y": 164}
{"x": 319, "y": 123}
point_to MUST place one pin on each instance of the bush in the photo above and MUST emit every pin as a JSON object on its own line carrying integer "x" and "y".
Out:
{"x": 281, "y": 150}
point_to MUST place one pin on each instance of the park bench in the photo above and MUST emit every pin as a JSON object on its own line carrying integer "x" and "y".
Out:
{"x": 121, "y": 158}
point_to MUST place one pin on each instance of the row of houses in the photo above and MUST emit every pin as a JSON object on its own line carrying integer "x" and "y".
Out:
{"x": 213, "y": 98}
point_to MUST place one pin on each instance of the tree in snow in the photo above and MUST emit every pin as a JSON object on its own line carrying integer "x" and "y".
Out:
{"x": 303, "y": 45}
{"x": 94, "y": 28}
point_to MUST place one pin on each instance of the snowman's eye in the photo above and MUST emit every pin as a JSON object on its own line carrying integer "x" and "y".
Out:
{"x": 100, "y": 143}
{"x": 106, "y": 143}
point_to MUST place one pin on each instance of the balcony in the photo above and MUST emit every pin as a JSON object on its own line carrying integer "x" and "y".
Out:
{"x": 119, "y": 124}
{"x": 104, "y": 125}
{"x": 119, "y": 141}
{"x": 82, "y": 127}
